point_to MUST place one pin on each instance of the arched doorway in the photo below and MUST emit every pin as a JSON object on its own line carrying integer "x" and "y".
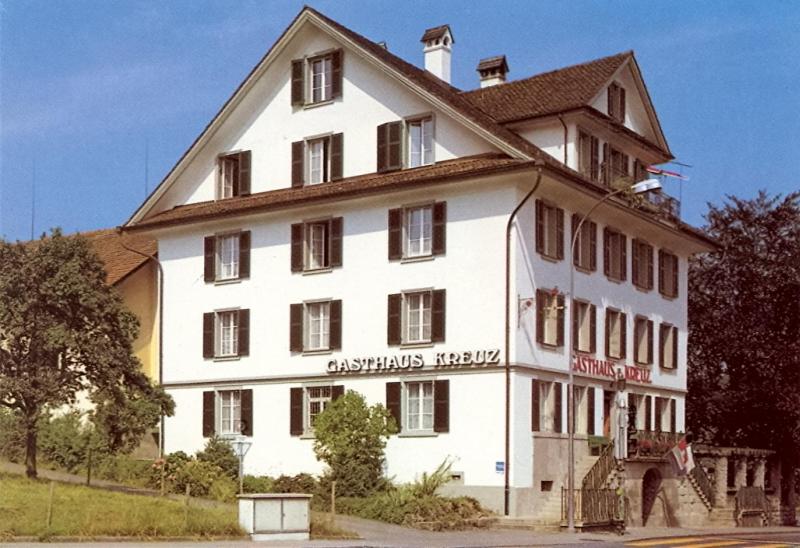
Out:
{"x": 651, "y": 483}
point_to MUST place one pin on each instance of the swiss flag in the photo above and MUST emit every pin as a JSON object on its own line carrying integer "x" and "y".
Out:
{"x": 682, "y": 456}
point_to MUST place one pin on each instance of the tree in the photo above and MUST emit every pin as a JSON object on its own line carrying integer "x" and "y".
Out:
{"x": 744, "y": 329}
{"x": 65, "y": 332}
{"x": 350, "y": 438}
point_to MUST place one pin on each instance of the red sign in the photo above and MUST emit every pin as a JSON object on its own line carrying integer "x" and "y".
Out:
{"x": 605, "y": 368}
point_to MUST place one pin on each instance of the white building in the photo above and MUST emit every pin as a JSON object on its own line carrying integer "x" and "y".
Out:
{"x": 341, "y": 225}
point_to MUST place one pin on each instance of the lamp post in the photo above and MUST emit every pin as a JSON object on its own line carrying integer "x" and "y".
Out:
{"x": 638, "y": 188}
{"x": 240, "y": 447}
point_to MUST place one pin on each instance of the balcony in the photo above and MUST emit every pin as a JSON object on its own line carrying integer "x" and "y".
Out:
{"x": 661, "y": 204}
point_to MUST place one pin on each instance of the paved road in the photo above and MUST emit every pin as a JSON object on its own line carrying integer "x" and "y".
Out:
{"x": 748, "y": 539}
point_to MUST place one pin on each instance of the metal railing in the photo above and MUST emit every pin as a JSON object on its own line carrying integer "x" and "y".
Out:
{"x": 600, "y": 470}
{"x": 594, "y": 507}
{"x": 647, "y": 445}
{"x": 703, "y": 482}
{"x": 752, "y": 500}
{"x": 663, "y": 204}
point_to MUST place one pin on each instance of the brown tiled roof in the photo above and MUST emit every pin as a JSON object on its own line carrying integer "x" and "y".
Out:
{"x": 440, "y": 172}
{"x": 444, "y": 92}
{"x": 120, "y": 262}
{"x": 548, "y": 93}
{"x": 435, "y": 32}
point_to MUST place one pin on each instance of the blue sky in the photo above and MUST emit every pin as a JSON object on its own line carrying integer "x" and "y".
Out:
{"x": 99, "y": 97}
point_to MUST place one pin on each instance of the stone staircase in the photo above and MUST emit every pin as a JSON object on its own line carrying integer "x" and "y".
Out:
{"x": 550, "y": 511}
{"x": 700, "y": 493}
{"x": 722, "y": 517}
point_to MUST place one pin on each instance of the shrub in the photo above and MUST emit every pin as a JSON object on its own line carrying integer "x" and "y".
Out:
{"x": 124, "y": 469}
{"x": 350, "y": 438}
{"x": 219, "y": 452}
{"x": 170, "y": 465}
{"x": 64, "y": 440}
{"x": 258, "y": 484}
{"x": 301, "y": 483}
{"x": 198, "y": 476}
{"x": 223, "y": 489}
{"x": 12, "y": 436}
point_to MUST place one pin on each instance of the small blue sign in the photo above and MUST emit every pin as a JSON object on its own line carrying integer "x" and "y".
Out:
{"x": 499, "y": 467}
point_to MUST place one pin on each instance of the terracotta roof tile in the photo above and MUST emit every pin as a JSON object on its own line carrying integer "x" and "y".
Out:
{"x": 496, "y": 62}
{"x": 461, "y": 168}
{"x": 435, "y": 32}
{"x": 120, "y": 262}
{"x": 548, "y": 93}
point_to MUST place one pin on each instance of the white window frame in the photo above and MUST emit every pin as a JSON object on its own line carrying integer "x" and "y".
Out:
{"x": 325, "y": 86}
{"x": 616, "y": 241}
{"x": 550, "y": 226}
{"x": 667, "y": 346}
{"x": 422, "y": 153}
{"x": 309, "y": 237}
{"x": 318, "y": 147}
{"x": 583, "y": 312}
{"x": 416, "y": 333}
{"x": 317, "y": 326}
{"x": 227, "y": 175}
{"x": 547, "y": 404}
{"x": 640, "y": 330}
{"x": 418, "y": 243}
{"x": 419, "y": 405}
{"x": 615, "y": 331}
{"x": 321, "y": 395}
{"x": 226, "y": 323}
{"x": 550, "y": 318}
{"x": 234, "y": 420}
{"x": 232, "y": 256}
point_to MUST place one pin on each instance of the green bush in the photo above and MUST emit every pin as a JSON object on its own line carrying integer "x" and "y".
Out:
{"x": 124, "y": 469}
{"x": 167, "y": 468}
{"x": 350, "y": 438}
{"x": 301, "y": 483}
{"x": 223, "y": 489}
{"x": 198, "y": 476}
{"x": 258, "y": 484}
{"x": 219, "y": 452}
{"x": 64, "y": 440}
{"x": 12, "y": 436}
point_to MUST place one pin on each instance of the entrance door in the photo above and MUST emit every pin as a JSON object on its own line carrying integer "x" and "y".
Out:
{"x": 608, "y": 403}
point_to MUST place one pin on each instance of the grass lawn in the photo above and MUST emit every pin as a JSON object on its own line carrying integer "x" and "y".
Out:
{"x": 85, "y": 512}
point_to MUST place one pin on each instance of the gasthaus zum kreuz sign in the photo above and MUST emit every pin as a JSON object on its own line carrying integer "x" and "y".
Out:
{"x": 605, "y": 368}
{"x": 414, "y": 361}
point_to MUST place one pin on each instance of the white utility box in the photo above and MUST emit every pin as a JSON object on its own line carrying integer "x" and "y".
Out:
{"x": 275, "y": 516}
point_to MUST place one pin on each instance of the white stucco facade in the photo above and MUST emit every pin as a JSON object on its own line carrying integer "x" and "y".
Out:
{"x": 471, "y": 270}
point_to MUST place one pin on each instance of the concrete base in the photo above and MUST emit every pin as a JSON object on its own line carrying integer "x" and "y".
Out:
{"x": 259, "y": 537}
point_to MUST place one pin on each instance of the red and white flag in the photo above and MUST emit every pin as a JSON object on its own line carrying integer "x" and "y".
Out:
{"x": 683, "y": 458}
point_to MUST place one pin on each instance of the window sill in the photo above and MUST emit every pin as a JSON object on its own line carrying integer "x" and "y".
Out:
{"x": 228, "y": 281}
{"x": 644, "y": 365}
{"x": 668, "y": 370}
{"x": 427, "y": 344}
{"x": 642, "y": 288}
{"x": 418, "y": 259}
{"x": 320, "y": 352}
{"x": 550, "y": 258}
{"x": 587, "y": 353}
{"x": 668, "y": 297}
{"x": 313, "y": 271}
{"x": 550, "y": 346}
{"x": 418, "y": 434}
{"x": 610, "y": 357}
{"x": 615, "y": 280}
{"x": 307, "y": 106}
{"x": 307, "y": 436}
{"x": 584, "y": 269}
{"x": 226, "y": 358}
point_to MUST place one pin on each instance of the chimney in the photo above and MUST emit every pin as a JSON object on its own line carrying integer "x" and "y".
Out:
{"x": 438, "y": 49}
{"x": 493, "y": 71}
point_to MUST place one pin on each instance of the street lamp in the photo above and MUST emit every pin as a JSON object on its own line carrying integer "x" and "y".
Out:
{"x": 240, "y": 447}
{"x": 638, "y": 188}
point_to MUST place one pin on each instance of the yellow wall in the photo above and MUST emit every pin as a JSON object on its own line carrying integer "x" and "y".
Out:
{"x": 140, "y": 292}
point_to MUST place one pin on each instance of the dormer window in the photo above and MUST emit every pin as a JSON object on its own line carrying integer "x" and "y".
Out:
{"x": 317, "y": 79}
{"x": 420, "y": 142}
{"x": 616, "y": 102}
{"x": 233, "y": 175}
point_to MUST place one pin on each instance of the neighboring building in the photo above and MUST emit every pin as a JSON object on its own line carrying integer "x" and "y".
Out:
{"x": 341, "y": 224}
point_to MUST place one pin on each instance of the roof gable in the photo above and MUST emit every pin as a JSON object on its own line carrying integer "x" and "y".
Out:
{"x": 441, "y": 95}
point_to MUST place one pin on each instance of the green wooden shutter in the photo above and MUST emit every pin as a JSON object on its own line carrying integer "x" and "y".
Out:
{"x": 439, "y": 243}
{"x": 244, "y": 254}
{"x": 590, "y": 429}
{"x": 441, "y": 406}
{"x": 208, "y": 335}
{"x": 394, "y": 319}
{"x": 244, "y": 331}
{"x": 536, "y": 410}
{"x": 296, "y": 327}
{"x": 438, "y": 309}
{"x": 337, "y": 392}
{"x": 296, "y": 411}
{"x": 560, "y": 320}
{"x": 540, "y": 228}
{"x": 336, "y": 325}
{"x": 336, "y": 241}
{"x": 559, "y": 233}
{"x": 297, "y": 247}
{"x": 298, "y": 163}
{"x": 337, "y": 156}
{"x": 298, "y": 82}
{"x": 247, "y": 412}
{"x": 393, "y": 402}
{"x": 209, "y": 413}
{"x": 209, "y": 258}
{"x": 244, "y": 174}
{"x": 557, "y": 418}
{"x": 336, "y": 74}
{"x": 540, "y": 302}
{"x": 623, "y": 335}
{"x": 395, "y": 234}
